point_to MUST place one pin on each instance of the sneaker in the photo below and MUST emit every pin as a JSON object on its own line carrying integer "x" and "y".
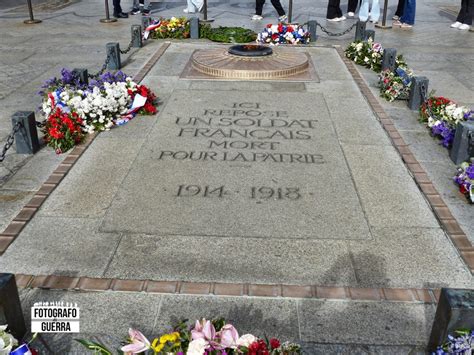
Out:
{"x": 146, "y": 12}
{"x": 257, "y": 18}
{"x": 343, "y": 18}
{"x": 135, "y": 11}
{"x": 351, "y": 14}
{"x": 464, "y": 26}
{"x": 335, "y": 19}
{"x": 396, "y": 18}
{"x": 456, "y": 24}
{"x": 406, "y": 25}
{"x": 121, "y": 15}
{"x": 283, "y": 18}
{"x": 396, "y": 23}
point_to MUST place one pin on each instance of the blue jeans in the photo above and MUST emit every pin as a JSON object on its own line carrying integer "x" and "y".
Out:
{"x": 374, "y": 11}
{"x": 409, "y": 12}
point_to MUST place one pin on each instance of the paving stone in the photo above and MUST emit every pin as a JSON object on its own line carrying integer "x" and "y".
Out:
{"x": 403, "y": 257}
{"x": 273, "y": 317}
{"x": 153, "y": 179}
{"x": 419, "y": 140}
{"x": 65, "y": 246}
{"x": 255, "y": 260}
{"x": 11, "y": 202}
{"x": 382, "y": 180}
{"x": 365, "y": 322}
{"x": 90, "y": 187}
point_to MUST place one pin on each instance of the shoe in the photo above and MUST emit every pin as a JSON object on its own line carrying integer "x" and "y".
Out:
{"x": 121, "y": 15}
{"x": 464, "y": 26}
{"x": 406, "y": 25}
{"x": 283, "y": 19}
{"x": 396, "y": 18}
{"x": 456, "y": 24}
{"x": 343, "y": 18}
{"x": 351, "y": 14}
{"x": 146, "y": 12}
{"x": 135, "y": 11}
{"x": 257, "y": 18}
{"x": 335, "y": 19}
{"x": 396, "y": 23}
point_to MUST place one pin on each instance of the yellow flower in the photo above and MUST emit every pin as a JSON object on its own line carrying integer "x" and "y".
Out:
{"x": 157, "y": 347}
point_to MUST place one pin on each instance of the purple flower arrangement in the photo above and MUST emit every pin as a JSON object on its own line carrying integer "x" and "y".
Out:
{"x": 462, "y": 344}
{"x": 465, "y": 179}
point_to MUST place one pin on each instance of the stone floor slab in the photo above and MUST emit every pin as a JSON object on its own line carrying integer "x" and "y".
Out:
{"x": 388, "y": 193}
{"x": 238, "y": 260}
{"x": 61, "y": 246}
{"x": 90, "y": 187}
{"x": 365, "y": 322}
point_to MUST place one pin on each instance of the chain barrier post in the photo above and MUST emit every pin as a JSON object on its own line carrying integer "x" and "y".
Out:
{"x": 204, "y": 9}
{"x": 418, "y": 92}
{"x": 32, "y": 20}
{"x": 360, "y": 30}
{"x": 312, "y": 27}
{"x": 26, "y": 137}
{"x": 384, "y": 17}
{"x": 369, "y": 34}
{"x": 82, "y": 74}
{"x": 137, "y": 36}
{"x": 107, "y": 18}
{"x": 463, "y": 144}
{"x": 194, "y": 27}
{"x": 113, "y": 54}
{"x": 290, "y": 11}
{"x": 389, "y": 59}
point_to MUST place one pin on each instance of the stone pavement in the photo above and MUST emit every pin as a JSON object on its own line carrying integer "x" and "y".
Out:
{"x": 358, "y": 227}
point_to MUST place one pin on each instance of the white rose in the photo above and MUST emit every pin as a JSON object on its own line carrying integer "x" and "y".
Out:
{"x": 246, "y": 340}
{"x": 197, "y": 347}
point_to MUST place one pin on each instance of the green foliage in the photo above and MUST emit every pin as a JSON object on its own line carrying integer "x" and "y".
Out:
{"x": 227, "y": 34}
{"x": 97, "y": 348}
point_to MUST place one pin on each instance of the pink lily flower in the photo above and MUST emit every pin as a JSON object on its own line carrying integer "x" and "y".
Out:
{"x": 138, "y": 344}
{"x": 229, "y": 336}
{"x": 203, "y": 330}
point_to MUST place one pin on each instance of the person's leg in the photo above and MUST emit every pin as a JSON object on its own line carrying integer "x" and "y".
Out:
{"x": 469, "y": 12}
{"x": 364, "y": 10}
{"x": 117, "y": 7}
{"x": 400, "y": 6}
{"x": 277, "y": 5}
{"x": 259, "y": 7}
{"x": 352, "y": 5}
{"x": 339, "y": 11}
{"x": 375, "y": 11}
{"x": 333, "y": 6}
{"x": 146, "y": 5}
{"x": 409, "y": 12}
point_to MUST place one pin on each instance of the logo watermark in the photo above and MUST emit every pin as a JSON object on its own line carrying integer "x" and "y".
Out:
{"x": 54, "y": 317}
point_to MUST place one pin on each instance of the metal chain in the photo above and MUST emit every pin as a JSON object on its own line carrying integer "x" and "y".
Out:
{"x": 337, "y": 34}
{"x": 10, "y": 140}
{"x": 102, "y": 70}
{"x": 125, "y": 51}
{"x": 40, "y": 124}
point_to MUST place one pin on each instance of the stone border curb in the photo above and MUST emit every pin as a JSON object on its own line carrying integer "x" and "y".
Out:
{"x": 88, "y": 284}
{"x": 26, "y": 214}
{"x": 446, "y": 219}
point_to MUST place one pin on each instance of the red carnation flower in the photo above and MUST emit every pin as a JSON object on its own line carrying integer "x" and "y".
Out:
{"x": 274, "y": 343}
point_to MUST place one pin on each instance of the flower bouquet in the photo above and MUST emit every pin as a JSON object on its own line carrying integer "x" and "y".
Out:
{"x": 462, "y": 344}
{"x": 283, "y": 34}
{"x": 72, "y": 108}
{"x": 465, "y": 180}
{"x": 175, "y": 27}
{"x": 215, "y": 337}
{"x": 442, "y": 115}
{"x": 395, "y": 85}
{"x": 368, "y": 54}
{"x": 10, "y": 346}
